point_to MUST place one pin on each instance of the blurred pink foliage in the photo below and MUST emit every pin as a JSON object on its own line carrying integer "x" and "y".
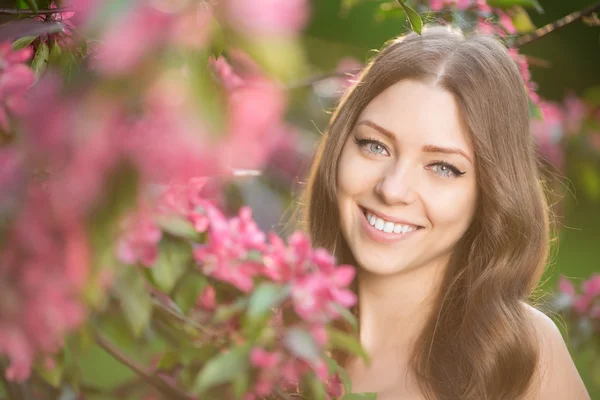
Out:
{"x": 15, "y": 79}
{"x": 266, "y": 17}
{"x": 43, "y": 267}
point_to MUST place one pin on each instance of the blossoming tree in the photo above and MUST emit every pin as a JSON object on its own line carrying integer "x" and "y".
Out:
{"x": 123, "y": 125}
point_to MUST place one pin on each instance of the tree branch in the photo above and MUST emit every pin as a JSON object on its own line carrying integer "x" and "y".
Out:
{"x": 556, "y": 25}
{"x": 18, "y": 11}
{"x": 162, "y": 385}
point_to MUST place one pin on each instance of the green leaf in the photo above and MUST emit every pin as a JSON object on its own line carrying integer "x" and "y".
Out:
{"x": 52, "y": 375}
{"x": 173, "y": 259}
{"x": 32, "y": 4}
{"x": 135, "y": 299}
{"x": 179, "y": 227}
{"x": 504, "y": 4}
{"x": 23, "y": 42}
{"x": 360, "y": 396}
{"x": 222, "y": 369}
{"x": 266, "y": 297}
{"x": 40, "y": 60}
{"x": 343, "y": 341}
{"x": 302, "y": 344}
{"x": 240, "y": 386}
{"x": 347, "y": 316}
{"x": 534, "y": 111}
{"x": 207, "y": 93}
{"x": 521, "y": 20}
{"x": 188, "y": 290}
{"x": 55, "y": 54}
{"x": 317, "y": 389}
{"x": 416, "y": 23}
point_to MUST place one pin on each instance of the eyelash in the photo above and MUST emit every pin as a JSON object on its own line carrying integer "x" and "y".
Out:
{"x": 362, "y": 142}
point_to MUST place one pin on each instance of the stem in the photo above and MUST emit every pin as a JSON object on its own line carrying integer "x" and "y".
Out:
{"x": 162, "y": 385}
{"x": 311, "y": 80}
{"x": 556, "y": 25}
{"x": 17, "y": 11}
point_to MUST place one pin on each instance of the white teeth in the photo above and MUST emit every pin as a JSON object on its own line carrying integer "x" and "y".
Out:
{"x": 387, "y": 226}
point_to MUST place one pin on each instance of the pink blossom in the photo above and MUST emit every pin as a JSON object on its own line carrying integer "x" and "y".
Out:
{"x": 565, "y": 286}
{"x": 229, "y": 79}
{"x": 15, "y": 79}
{"x": 436, "y": 5}
{"x": 129, "y": 38}
{"x": 140, "y": 241}
{"x": 267, "y": 17}
{"x": 316, "y": 294}
{"x": 230, "y": 242}
{"x": 255, "y": 111}
{"x": 525, "y": 74}
{"x": 335, "y": 387}
{"x": 261, "y": 358}
{"x": 506, "y": 22}
{"x": 591, "y": 287}
{"x": 575, "y": 112}
{"x": 43, "y": 267}
{"x": 207, "y": 300}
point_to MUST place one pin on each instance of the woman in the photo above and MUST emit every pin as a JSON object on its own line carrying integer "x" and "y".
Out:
{"x": 427, "y": 181}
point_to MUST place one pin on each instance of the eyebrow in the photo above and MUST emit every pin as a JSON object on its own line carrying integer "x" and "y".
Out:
{"x": 428, "y": 148}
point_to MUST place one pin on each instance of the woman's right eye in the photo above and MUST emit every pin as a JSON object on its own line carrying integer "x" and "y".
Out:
{"x": 372, "y": 146}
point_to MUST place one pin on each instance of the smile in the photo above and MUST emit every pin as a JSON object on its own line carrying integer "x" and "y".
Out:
{"x": 382, "y": 230}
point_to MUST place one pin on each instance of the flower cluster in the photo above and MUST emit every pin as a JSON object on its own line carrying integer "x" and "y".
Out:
{"x": 584, "y": 304}
{"x": 300, "y": 288}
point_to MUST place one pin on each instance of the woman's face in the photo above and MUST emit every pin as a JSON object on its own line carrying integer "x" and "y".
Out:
{"x": 406, "y": 180}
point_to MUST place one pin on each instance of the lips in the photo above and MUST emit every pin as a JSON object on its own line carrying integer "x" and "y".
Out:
{"x": 387, "y": 218}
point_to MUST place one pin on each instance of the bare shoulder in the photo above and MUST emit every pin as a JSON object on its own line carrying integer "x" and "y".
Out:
{"x": 556, "y": 377}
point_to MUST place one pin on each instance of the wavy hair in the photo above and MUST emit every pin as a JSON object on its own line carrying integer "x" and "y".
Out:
{"x": 479, "y": 342}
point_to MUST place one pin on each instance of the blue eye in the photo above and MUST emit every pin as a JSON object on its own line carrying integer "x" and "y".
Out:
{"x": 446, "y": 170}
{"x": 372, "y": 146}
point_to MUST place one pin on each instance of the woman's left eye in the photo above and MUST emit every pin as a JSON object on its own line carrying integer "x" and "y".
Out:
{"x": 446, "y": 170}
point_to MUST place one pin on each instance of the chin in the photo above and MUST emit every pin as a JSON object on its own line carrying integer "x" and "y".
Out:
{"x": 384, "y": 264}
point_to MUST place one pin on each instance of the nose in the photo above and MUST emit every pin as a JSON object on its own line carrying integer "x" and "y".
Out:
{"x": 397, "y": 185}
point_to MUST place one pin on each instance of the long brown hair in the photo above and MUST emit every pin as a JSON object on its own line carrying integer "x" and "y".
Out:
{"x": 478, "y": 343}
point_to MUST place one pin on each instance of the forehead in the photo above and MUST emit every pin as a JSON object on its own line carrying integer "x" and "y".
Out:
{"x": 419, "y": 113}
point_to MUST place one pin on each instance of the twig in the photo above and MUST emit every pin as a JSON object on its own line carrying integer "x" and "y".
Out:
{"x": 162, "y": 385}
{"x": 311, "y": 80}
{"x": 17, "y": 11}
{"x": 556, "y": 25}
{"x": 538, "y": 62}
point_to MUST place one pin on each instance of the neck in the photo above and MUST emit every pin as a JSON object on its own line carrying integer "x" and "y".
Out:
{"x": 393, "y": 309}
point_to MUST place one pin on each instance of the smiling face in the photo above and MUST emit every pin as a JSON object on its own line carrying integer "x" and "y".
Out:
{"x": 407, "y": 187}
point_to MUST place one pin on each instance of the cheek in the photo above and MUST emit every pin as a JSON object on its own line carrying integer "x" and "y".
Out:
{"x": 355, "y": 176}
{"x": 453, "y": 207}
